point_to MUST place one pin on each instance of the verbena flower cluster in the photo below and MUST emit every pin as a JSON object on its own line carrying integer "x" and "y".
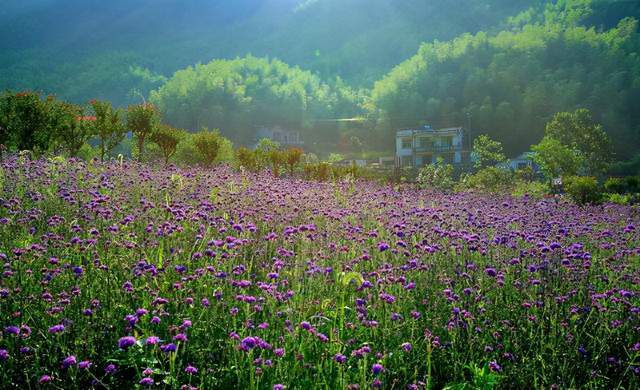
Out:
{"x": 119, "y": 275}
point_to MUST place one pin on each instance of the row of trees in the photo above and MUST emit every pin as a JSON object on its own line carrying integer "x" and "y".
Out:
{"x": 29, "y": 122}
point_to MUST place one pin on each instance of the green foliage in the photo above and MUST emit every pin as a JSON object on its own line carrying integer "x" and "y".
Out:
{"x": 533, "y": 189}
{"x": 207, "y": 145}
{"x": 555, "y": 159}
{"x": 487, "y": 152}
{"x": 26, "y": 121}
{"x": 621, "y": 199}
{"x": 439, "y": 175}
{"x": 623, "y": 185}
{"x": 292, "y": 157}
{"x": 235, "y": 95}
{"x": 512, "y": 82}
{"x": 334, "y": 158}
{"x": 167, "y": 138}
{"x": 578, "y": 131}
{"x": 482, "y": 378}
{"x": 488, "y": 180}
{"x": 142, "y": 120}
{"x": 108, "y": 126}
{"x": 247, "y": 159}
{"x": 70, "y": 126}
{"x": 88, "y": 152}
{"x": 582, "y": 189}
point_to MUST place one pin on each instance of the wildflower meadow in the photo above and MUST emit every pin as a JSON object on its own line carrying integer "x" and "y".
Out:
{"x": 122, "y": 275}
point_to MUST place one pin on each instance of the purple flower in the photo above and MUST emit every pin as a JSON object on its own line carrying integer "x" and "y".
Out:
{"x": 69, "y": 361}
{"x": 377, "y": 368}
{"x": 85, "y": 364}
{"x": 491, "y": 272}
{"x": 339, "y": 358}
{"x": 407, "y": 346}
{"x": 191, "y": 370}
{"x": 12, "y": 330}
{"x": 171, "y": 347}
{"x": 152, "y": 340}
{"x": 278, "y": 386}
{"x": 45, "y": 379}
{"x": 383, "y": 246}
{"x": 126, "y": 342}
{"x": 146, "y": 381}
{"x": 110, "y": 369}
{"x": 248, "y": 343}
{"x": 56, "y": 328}
{"x": 494, "y": 366}
{"x": 4, "y": 354}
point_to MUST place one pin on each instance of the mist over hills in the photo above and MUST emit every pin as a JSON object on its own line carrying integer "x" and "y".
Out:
{"x": 511, "y": 64}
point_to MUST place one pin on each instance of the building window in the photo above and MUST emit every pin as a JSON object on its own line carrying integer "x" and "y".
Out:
{"x": 406, "y": 143}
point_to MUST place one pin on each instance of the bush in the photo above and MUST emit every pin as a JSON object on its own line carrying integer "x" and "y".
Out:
{"x": 29, "y": 123}
{"x": 437, "y": 175}
{"x": 622, "y": 185}
{"x": 167, "y": 138}
{"x": 582, "y": 189}
{"x": 622, "y": 199}
{"x": 207, "y": 146}
{"x": 247, "y": 159}
{"x": 489, "y": 180}
{"x": 88, "y": 152}
{"x": 534, "y": 189}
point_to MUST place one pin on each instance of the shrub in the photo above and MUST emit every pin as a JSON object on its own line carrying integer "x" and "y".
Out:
{"x": 437, "y": 175}
{"x": 142, "y": 120}
{"x": 619, "y": 185}
{"x": 29, "y": 123}
{"x": 108, "y": 126}
{"x": 167, "y": 138}
{"x": 292, "y": 157}
{"x": 207, "y": 144}
{"x": 534, "y": 189}
{"x": 582, "y": 189}
{"x": 247, "y": 158}
{"x": 489, "y": 180}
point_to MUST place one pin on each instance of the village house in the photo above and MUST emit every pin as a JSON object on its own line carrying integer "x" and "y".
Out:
{"x": 284, "y": 137}
{"x": 421, "y": 146}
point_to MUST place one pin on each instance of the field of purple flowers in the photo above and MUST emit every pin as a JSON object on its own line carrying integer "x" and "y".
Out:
{"x": 119, "y": 275}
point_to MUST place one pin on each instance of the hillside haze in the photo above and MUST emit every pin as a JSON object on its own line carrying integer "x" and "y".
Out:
{"x": 51, "y": 44}
{"x": 505, "y": 66}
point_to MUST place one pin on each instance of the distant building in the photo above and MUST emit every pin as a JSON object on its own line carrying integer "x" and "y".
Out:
{"x": 425, "y": 145}
{"x": 284, "y": 137}
{"x": 524, "y": 160}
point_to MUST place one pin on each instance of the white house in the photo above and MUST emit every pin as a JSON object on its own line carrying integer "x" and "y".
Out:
{"x": 422, "y": 146}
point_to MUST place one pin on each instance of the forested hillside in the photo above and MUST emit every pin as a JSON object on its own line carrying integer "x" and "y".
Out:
{"x": 509, "y": 84}
{"x": 504, "y": 67}
{"x": 82, "y": 49}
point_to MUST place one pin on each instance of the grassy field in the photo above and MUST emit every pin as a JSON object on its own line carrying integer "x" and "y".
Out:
{"x": 123, "y": 275}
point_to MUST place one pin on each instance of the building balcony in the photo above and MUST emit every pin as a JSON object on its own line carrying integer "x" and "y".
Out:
{"x": 439, "y": 148}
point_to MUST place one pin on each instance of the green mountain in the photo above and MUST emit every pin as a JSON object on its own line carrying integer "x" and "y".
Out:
{"x": 80, "y": 49}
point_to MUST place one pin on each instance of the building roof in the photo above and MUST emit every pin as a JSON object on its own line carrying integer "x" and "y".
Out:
{"x": 428, "y": 131}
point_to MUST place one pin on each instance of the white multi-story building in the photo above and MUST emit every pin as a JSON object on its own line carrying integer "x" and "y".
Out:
{"x": 422, "y": 146}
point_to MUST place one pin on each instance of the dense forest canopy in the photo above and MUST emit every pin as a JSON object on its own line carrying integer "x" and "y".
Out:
{"x": 240, "y": 95}
{"x": 98, "y": 47}
{"x": 511, "y": 83}
{"x": 503, "y": 67}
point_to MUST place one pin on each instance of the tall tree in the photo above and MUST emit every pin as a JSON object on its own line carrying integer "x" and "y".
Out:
{"x": 108, "y": 125}
{"x": 167, "y": 138}
{"x": 578, "y": 131}
{"x": 142, "y": 120}
{"x": 487, "y": 152}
